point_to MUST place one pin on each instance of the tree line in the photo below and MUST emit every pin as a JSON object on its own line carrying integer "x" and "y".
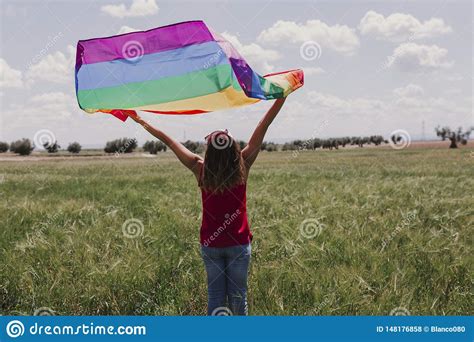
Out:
{"x": 127, "y": 145}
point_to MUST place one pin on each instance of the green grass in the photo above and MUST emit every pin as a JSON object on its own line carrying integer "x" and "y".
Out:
{"x": 62, "y": 245}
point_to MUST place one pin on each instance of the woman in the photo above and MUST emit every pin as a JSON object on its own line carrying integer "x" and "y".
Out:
{"x": 225, "y": 233}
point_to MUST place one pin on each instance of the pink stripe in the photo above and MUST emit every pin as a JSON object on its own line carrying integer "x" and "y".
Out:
{"x": 143, "y": 42}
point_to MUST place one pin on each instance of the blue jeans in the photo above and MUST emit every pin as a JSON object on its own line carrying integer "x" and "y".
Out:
{"x": 227, "y": 271}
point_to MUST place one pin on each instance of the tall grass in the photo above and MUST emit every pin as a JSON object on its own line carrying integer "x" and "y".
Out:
{"x": 395, "y": 231}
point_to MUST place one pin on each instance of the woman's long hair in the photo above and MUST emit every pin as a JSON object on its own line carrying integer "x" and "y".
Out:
{"x": 223, "y": 164}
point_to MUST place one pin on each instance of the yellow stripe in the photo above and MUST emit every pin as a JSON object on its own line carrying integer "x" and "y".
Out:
{"x": 283, "y": 81}
{"x": 226, "y": 98}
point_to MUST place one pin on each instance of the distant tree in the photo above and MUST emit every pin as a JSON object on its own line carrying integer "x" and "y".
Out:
{"x": 111, "y": 146}
{"x": 299, "y": 143}
{"x": 355, "y": 141}
{"x": 359, "y": 141}
{"x": 194, "y": 146}
{"x": 74, "y": 147}
{"x": 4, "y": 147}
{"x": 129, "y": 145}
{"x": 242, "y": 144}
{"x": 376, "y": 139}
{"x": 124, "y": 145}
{"x": 296, "y": 145}
{"x": 22, "y": 147}
{"x": 288, "y": 147}
{"x": 316, "y": 143}
{"x": 270, "y": 147}
{"x": 396, "y": 138}
{"x": 454, "y": 136}
{"x": 51, "y": 147}
{"x": 345, "y": 141}
{"x": 326, "y": 144}
{"x": 153, "y": 147}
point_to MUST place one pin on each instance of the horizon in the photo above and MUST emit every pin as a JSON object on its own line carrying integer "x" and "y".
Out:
{"x": 97, "y": 147}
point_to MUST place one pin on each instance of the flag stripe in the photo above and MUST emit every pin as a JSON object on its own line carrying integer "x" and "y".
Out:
{"x": 132, "y": 95}
{"x": 151, "y": 41}
{"x": 151, "y": 67}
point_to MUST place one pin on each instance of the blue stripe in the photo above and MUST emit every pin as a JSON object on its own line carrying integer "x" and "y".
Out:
{"x": 257, "y": 90}
{"x": 151, "y": 67}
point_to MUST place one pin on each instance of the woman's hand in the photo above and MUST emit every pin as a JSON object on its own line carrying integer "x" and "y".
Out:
{"x": 135, "y": 117}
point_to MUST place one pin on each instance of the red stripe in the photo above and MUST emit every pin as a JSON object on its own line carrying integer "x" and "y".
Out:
{"x": 178, "y": 112}
{"x": 119, "y": 114}
{"x": 122, "y": 114}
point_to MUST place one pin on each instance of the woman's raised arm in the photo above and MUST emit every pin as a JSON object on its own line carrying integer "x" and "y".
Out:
{"x": 185, "y": 156}
{"x": 250, "y": 152}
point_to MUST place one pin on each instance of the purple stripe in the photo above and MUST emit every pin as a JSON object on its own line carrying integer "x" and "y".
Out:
{"x": 242, "y": 70}
{"x": 144, "y": 42}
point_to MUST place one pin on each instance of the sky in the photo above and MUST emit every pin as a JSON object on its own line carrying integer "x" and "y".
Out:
{"x": 371, "y": 67}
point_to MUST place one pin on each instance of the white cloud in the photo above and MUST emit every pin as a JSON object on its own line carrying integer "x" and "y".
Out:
{"x": 57, "y": 67}
{"x": 399, "y": 110}
{"x": 138, "y": 8}
{"x": 339, "y": 38}
{"x": 453, "y": 91}
{"x": 400, "y": 26}
{"x": 126, "y": 29}
{"x": 411, "y": 90}
{"x": 42, "y": 109}
{"x": 53, "y": 97}
{"x": 258, "y": 58}
{"x": 57, "y": 103}
{"x": 454, "y": 77}
{"x": 360, "y": 105}
{"x": 412, "y": 57}
{"x": 312, "y": 71}
{"x": 9, "y": 77}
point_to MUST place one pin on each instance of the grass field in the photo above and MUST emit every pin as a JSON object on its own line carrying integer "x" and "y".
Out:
{"x": 348, "y": 232}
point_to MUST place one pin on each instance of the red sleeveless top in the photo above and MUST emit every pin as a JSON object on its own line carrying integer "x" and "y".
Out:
{"x": 224, "y": 217}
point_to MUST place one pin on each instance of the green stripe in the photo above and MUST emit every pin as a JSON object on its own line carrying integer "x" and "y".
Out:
{"x": 270, "y": 89}
{"x": 158, "y": 91}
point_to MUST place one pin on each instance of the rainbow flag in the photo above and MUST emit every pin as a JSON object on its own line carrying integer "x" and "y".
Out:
{"x": 183, "y": 68}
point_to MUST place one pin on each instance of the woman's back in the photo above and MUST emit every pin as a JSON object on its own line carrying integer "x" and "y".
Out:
{"x": 224, "y": 217}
